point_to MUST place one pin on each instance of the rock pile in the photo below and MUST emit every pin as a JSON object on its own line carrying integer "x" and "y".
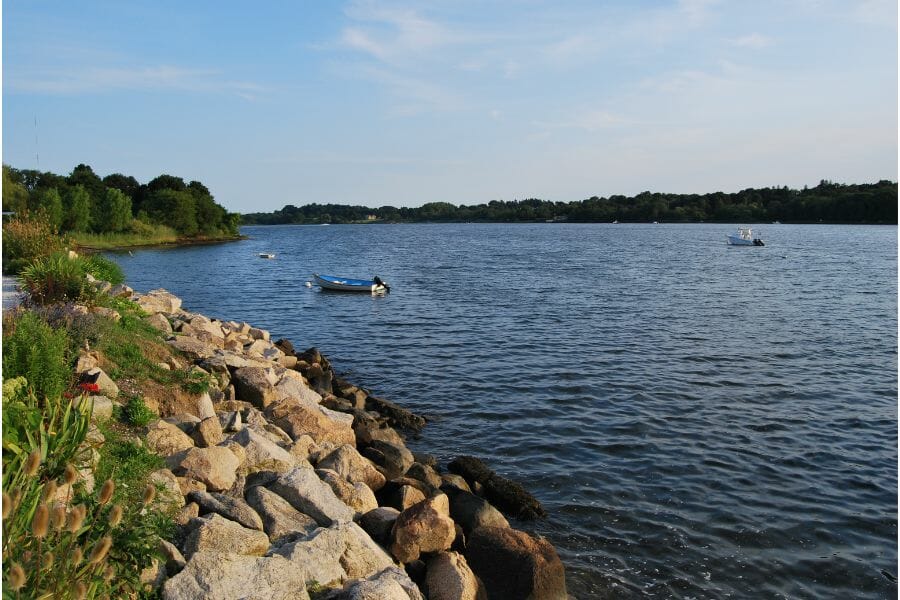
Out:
{"x": 293, "y": 483}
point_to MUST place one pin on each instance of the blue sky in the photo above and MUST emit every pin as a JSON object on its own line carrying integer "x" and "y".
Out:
{"x": 403, "y": 103}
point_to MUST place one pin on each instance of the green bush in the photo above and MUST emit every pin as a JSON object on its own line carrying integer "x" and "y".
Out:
{"x": 27, "y": 237}
{"x": 36, "y": 351}
{"x": 136, "y": 413}
{"x": 103, "y": 268}
{"x": 56, "y": 278}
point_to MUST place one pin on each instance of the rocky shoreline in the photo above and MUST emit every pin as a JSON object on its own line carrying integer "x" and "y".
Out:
{"x": 290, "y": 482}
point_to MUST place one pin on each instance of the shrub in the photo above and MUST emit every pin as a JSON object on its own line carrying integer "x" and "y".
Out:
{"x": 136, "y": 413}
{"x": 35, "y": 350}
{"x": 56, "y": 278}
{"x": 103, "y": 268}
{"x": 26, "y": 238}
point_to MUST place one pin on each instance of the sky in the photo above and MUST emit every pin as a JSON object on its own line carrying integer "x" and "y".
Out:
{"x": 402, "y": 103}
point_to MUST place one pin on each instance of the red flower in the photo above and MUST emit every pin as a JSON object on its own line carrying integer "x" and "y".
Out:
{"x": 89, "y": 387}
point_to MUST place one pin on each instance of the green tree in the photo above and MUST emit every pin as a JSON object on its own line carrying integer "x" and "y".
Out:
{"x": 115, "y": 213}
{"x": 78, "y": 209}
{"x": 49, "y": 201}
{"x": 83, "y": 175}
{"x": 15, "y": 194}
{"x": 175, "y": 209}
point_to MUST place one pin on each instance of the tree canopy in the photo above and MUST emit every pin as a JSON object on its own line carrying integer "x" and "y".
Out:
{"x": 84, "y": 202}
{"x": 826, "y": 203}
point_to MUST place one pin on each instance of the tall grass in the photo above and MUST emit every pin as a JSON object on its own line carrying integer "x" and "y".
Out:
{"x": 141, "y": 234}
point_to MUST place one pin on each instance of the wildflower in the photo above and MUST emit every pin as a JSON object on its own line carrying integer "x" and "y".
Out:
{"x": 32, "y": 463}
{"x": 40, "y": 521}
{"x": 76, "y": 556}
{"x": 16, "y": 577}
{"x": 149, "y": 494}
{"x": 115, "y": 515}
{"x": 89, "y": 387}
{"x": 106, "y": 492}
{"x": 100, "y": 550}
{"x": 80, "y": 590}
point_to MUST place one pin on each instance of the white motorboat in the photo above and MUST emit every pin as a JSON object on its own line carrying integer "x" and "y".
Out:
{"x": 743, "y": 237}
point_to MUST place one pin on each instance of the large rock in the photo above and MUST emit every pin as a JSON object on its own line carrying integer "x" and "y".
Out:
{"x": 379, "y": 522}
{"x": 255, "y": 385}
{"x": 353, "y": 466}
{"x": 160, "y": 322}
{"x": 303, "y": 489}
{"x": 395, "y": 415}
{"x": 291, "y": 385}
{"x": 280, "y": 519}
{"x": 337, "y": 553}
{"x": 390, "y": 584}
{"x": 193, "y": 348}
{"x": 505, "y": 494}
{"x": 393, "y": 459}
{"x": 317, "y": 422}
{"x": 167, "y": 439}
{"x": 423, "y": 527}
{"x": 234, "y": 509}
{"x": 160, "y": 300}
{"x": 357, "y": 496}
{"x": 450, "y": 578}
{"x": 221, "y": 576}
{"x": 208, "y": 432}
{"x": 216, "y": 467}
{"x": 170, "y": 492}
{"x": 223, "y": 535}
{"x": 262, "y": 454}
{"x": 472, "y": 511}
{"x": 107, "y": 386}
{"x": 514, "y": 565}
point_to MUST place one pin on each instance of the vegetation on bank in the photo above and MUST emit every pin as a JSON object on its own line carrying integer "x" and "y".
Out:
{"x": 81, "y": 518}
{"x": 827, "y": 203}
{"x": 114, "y": 211}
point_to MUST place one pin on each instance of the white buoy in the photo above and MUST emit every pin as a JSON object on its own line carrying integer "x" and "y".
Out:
{"x": 308, "y": 284}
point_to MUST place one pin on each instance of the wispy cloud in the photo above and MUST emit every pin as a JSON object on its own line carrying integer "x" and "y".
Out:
{"x": 753, "y": 40}
{"x": 96, "y": 80}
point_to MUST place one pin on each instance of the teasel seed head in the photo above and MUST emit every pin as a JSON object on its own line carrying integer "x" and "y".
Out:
{"x": 16, "y": 577}
{"x": 115, "y": 515}
{"x": 58, "y": 517}
{"x": 71, "y": 475}
{"x": 76, "y": 518}
{"x": 109, "y": 573}
{"x": 75, "y": 556}
{"x": 149, "y": 494}
{"x": 49, "y": 491}
{"x": 47, "y": 560}
{"x": 7, "y": 505}
{"x": 106, "y": 492}
{"x": 40, "y": 521}
{"x": 79, "y": 591}
{"x": 100, "y": 550}
{"x": 32, "y": 463}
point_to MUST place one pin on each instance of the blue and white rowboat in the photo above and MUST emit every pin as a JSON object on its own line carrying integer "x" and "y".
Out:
{"x": 343, "y": 284}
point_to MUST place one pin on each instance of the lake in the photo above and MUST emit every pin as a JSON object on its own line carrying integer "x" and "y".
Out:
{"x": 700, "y": 421}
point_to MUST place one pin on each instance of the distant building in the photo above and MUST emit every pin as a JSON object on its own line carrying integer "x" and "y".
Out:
{"x": 371, "y": 217}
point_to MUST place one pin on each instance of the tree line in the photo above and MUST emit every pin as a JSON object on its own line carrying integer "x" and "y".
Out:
{"x": 827, "y": 202}
{"x": 83, "y": 202}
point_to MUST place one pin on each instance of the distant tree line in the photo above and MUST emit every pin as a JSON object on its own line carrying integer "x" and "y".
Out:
{"x": 827, "y": 203}
{"x": 82, "y": 202}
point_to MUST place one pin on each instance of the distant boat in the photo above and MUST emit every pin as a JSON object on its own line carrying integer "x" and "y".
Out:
{"x": 266, "y": 255}
{"x": 616, "y": 222}
{"x": 344, "y": 284}
{"x": 743, "y": 237}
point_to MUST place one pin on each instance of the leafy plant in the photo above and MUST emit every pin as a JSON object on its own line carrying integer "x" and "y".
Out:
{"x": 136, "y": 413}
{"x": 27, "y": 237}
{"x": 36, "y": 351}
{"x": 56, "y": 278}
{"x": 103, "y": 268}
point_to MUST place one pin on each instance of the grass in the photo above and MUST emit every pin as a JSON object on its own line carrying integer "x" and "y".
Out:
{"x": 156, "y": 235}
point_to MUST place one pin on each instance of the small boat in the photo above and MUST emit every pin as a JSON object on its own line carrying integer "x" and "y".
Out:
{"x": 743, "y": 237}
{"x": 343, "y": 284}
{"x": 266, "y": 255}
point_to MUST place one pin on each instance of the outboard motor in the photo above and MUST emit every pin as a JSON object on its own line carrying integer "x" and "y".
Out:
{"x": 378, "y": 281}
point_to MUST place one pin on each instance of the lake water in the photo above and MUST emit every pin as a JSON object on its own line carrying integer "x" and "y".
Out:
{"x": 700, "y": 421}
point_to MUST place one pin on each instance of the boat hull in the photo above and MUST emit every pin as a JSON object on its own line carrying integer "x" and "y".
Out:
{"x": 343, "y": 284}
{"x": 734, "y": 240}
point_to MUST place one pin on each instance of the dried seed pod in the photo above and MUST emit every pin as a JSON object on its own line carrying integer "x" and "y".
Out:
{"x": 79, "y": 591}
{"x": 47, "y": 560}
{"x": 7, "y": 505}
{"x": 32, "y": 463}
{"x": 100, "y": 549}
{"x": 49, "y": 491}
{"x": 76, "y": 518}
{"x": 149, "y": 494}
{"x": 115, "y": 515}
{"x": 76, "y": 556}
{"x": 71, "y": 475}
{"x": 58, "y": 517}
{"x": 40, "y": 521}
{"x": 16, "y": 577}
{"x": 109, "y": 573}
{"x": 106, "y": 492}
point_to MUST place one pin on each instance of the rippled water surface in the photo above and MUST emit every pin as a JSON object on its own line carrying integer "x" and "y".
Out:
{"x": 700, "y": 421}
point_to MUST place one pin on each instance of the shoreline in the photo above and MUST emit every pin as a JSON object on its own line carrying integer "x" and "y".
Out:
{"x": 148, "y": 245}
{"x": 289, "y": 475}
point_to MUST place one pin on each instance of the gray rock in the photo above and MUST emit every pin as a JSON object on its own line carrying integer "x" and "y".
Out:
{"x": 424, "y": 527}
{"x": 229, "y": 507}
{"x": 193, "y": 348}
{"x": 167, "y": 439}
{"x": 216, "y": 467}
{"x": 390, "y": 584}
{"x": 379, "y": 522}
{"x": 108, "y": 387}
{"x": 472, "y": 511}
{"x": 353, "y": 466}
{"x": 255, "y": 385}
{"x": 103, "y": 408}
{"x": 262, "y": 454}
{"x": 303, "y": 489}
{"x": 280, "y": 519}
{"x": 160, "y": 322}
{"x": 159, "y": 300}
{"x": 337, "y": 553}
{"x": 357, "y": 496}
{"x": 223, "y": 535}
{"x": 450, "y": 578}
{"x": 230, "y": 421}
{"x": 174, "y": 560}
{"x": 208, "y": 432}
{"x": 220, "y": 576}
{"x": 168, "y": 491}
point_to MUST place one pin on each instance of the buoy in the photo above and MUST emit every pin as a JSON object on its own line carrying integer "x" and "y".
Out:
{"x": 308, "y": 284}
